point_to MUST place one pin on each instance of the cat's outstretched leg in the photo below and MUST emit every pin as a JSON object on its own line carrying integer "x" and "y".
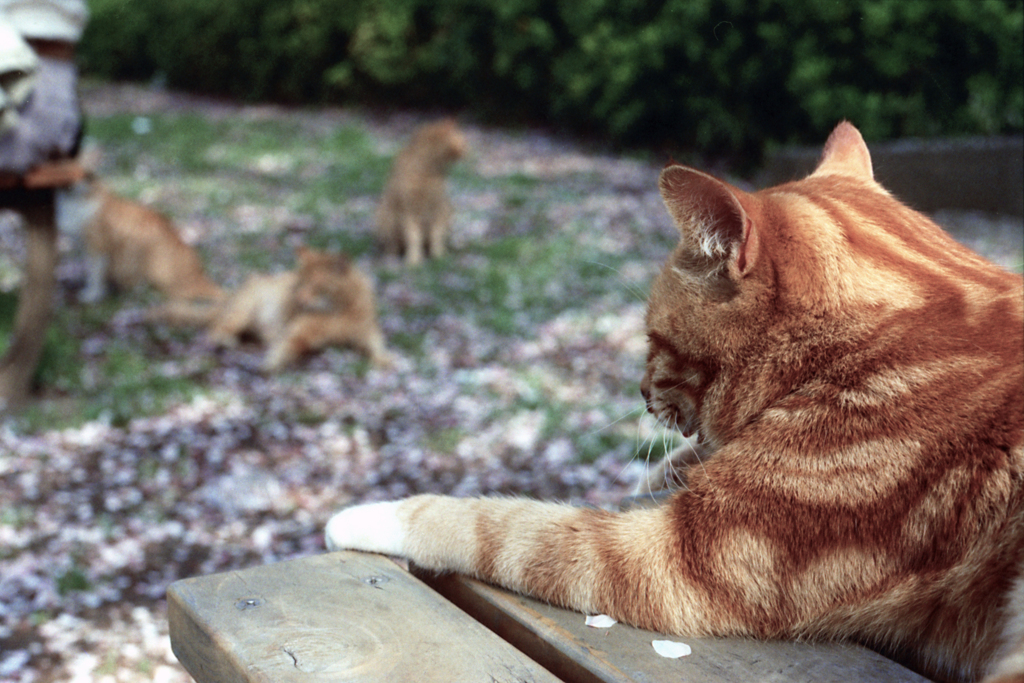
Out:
{"x": 282, "y": 353}
{"x": 235, "y": 316}
{"x": 705, "y": 562}
{"x": 590, "y": 560}
{"x": 313, "y": 332}
{"x": 372, "y": 344}
{"x": 228, "y": 328}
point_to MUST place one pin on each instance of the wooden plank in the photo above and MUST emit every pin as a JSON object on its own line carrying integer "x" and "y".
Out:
{"x": 559, "y": 640}
{"x": 59, "y": 173}
{"x": 336, "y": 617}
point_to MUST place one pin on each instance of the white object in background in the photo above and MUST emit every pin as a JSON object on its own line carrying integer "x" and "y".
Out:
{"x": 61, "y": 20}
{"x": 600, "y": 621}
{"x": 18, "y": 64}
{"x": 671, "y": 649}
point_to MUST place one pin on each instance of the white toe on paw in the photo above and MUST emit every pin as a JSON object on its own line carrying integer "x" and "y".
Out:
{"x": 374, "y": 527}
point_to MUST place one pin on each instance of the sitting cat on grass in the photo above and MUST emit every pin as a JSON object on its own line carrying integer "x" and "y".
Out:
{"x": 857, "y": 378}
{"x": 325, "y": 301}
{"x": 129, "y": 244}
{"x": 415, "y": 213}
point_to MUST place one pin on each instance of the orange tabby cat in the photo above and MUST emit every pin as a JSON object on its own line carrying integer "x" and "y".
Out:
{"x": 326, "y": 301}
{"x": 128, "y": 244}
{"x": 414, "y": 213}
{"x": 859, "y": 378}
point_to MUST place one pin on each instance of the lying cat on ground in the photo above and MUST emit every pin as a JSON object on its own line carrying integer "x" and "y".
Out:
{"x": 129, "y": 244}
{"x": 326, "y": 301}
{"x": 415, "y": 213}
{"x": 858, "y": 379}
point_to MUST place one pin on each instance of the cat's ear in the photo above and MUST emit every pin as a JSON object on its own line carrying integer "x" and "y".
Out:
{"x": 845, "y": 153}
{"x": 710, "y": 216}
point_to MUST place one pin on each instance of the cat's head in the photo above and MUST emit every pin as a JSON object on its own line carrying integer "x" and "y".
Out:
{"x": 324, "y": 284}
{"x": 765, "y": 289}
{"x": 444, "y": 141}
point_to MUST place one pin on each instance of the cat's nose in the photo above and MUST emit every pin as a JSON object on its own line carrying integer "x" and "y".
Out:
{"x": 645, "y": 391}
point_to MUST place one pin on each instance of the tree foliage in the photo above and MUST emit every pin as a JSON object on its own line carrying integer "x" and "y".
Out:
{"x": 723, "y": 76}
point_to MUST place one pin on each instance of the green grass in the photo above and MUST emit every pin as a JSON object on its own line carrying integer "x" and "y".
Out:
{"x": 182, "y": 139}
{"x": 278, "y": 153}
{"x": 408, "y": 343}
{"x": 521, "y": 281}
{"x": 121, "y": 383}
{"x": 57, "y": 348}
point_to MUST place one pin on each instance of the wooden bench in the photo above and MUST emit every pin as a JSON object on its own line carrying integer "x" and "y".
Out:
{"x": 33, "y": 195}
{"x": 350, "y": 616}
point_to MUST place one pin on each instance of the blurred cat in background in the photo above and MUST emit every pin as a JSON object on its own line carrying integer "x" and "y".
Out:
{"x": 128, "y": 244}
{"x": 415, "y": 213}
{"x": 325, "y": 301}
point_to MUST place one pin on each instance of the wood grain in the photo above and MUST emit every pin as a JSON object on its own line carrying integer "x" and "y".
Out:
{"x": 336, "y": 617}
{"x": 559, "y": 640}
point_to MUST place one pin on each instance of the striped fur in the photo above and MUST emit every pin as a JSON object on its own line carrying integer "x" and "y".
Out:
{"x": 858, "y": 378}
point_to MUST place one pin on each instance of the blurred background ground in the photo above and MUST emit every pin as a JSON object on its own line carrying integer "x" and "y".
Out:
{"x": 150, "y": 457}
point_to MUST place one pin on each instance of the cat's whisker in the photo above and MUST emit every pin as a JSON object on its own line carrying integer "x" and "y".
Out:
{"x": 628, "y": 286}
{"x": 664, "y": 450}
{"x": 614, "y": 422}
{"x": 689, "y": 445}
{"x": 650, "y": 449}
{"x": 696, "y": 454}
{"x": 636, "y": 453}
{"x": 644, "y": 476}
{"x": 670, "y": 466}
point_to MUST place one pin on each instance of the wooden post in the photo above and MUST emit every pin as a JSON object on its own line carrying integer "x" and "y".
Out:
{"x": 36, "y": 299}
{"x": 33, "y": 195}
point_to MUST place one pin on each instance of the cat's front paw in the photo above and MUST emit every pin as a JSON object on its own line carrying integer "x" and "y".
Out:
{"x": 374, "y": 527}
{"x": 281, "y": 354}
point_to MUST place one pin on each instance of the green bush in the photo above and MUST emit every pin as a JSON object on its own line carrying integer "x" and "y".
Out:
{"x": 721, "y": 76}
